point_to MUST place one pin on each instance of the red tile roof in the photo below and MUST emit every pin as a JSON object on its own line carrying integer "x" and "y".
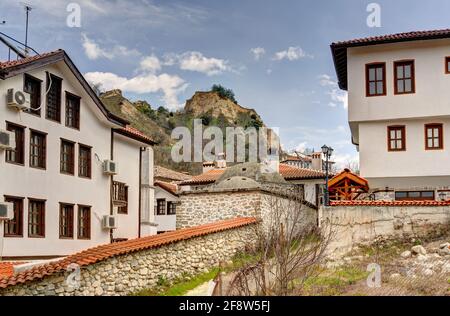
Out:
{"x": 100, "y": 253}
{"x": 161, "y": 172}
{"x": 389, "y": 203}
{"x": 339, "y": 49}
{"x": 287, "y": 171}
{"x": 136, "y": 134}
{"x": 7, "y": 268}
{"x": 347, "y": 174}
{"x": 19, "y": 62}
{"x": 169, "y": 187}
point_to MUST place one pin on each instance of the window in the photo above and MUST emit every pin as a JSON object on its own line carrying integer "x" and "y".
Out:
{"x": 37, "y": 149}
{"x": 16, "y": 155}
{"x": 120, "y": 197}
{"x": 160, "y": 207}
{"x": 32, "y": 86}
{"x": 376, "y": 79}
{"x": 84, "y": 163}
{"x": 414, "y": 195}
{"x": 396, "y": 138}
{"x": 447, "y": 65}
{"x": 67, "y": 157}
{"x": 65, "y": 221}
{"x": 54, "y": 85}
{"x": 434, "y": 136}
{"x": 171, "y": 208}
{"x": 84, "y": 222}
{"x": 36, "y": 218}
{"x": 404, "y": 77}
{"x": 14, "y": 227}
{"x": 72, "y": 110}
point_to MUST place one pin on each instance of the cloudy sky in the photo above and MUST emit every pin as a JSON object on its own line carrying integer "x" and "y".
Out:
{"x": 274, "y": 54}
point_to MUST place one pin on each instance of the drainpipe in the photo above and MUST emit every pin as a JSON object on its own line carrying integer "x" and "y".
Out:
{"x": 141, "y": 150}
{"x": 111, "y": 206}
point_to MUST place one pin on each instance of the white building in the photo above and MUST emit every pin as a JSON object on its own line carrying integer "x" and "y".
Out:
{"x": 54, "y": 176}
{"x": 166, "y": 202}
{"x": 399, "y": 109}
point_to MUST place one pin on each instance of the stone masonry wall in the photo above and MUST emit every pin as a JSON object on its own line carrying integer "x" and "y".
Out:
{"x": 125, "y": 274}
{"x": 354, "y": 225}
{"x": 198, "y": 208}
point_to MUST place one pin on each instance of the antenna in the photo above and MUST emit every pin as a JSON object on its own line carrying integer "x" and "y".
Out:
{"x": 27, "y": 8}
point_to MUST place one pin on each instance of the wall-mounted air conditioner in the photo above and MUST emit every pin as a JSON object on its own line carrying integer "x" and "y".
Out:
{"x": 109, "y": 167}
{"x": 6, "y": 211}
{"x": 17, "y": 100}
{"x": 7, "y": 140}
{"x": 109, "y": 222}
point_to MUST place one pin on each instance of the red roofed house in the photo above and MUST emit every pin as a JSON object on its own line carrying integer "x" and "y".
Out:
{"x": 55, "y": 171}
{"x": 399, "y": 110}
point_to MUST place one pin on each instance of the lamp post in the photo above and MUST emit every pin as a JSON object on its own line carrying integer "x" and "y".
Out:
{"x": 327, "y": 151}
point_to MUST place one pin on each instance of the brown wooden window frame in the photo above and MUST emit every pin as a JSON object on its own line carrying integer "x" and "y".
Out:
{"x": 404, "y": 63}
{"x": 447, "y": 65}
{"x": 67, "y": 157}
{"x": 17, "y": 155}
{"x": 120, "y": 196}
{"x": 84, "y": 163}
{"x": 84, "y": 222}
{"x": 40, "y": 216}
{"x": 66, "y": 220}
{"x": 35, "y": 97}
{"x": 72, "y": 110}
{"x": 439, "y": 136}
{"x": 14, "y": 227}
{"x": 401, "y": 128}
{"x": 421, "y": 197}
{"x": 376, "y": 65}
{"x": 160, "y": 206}
{"x": 56, "y": 108}
{"x": 171, "y": 208}
{"x": 41, "y": 148}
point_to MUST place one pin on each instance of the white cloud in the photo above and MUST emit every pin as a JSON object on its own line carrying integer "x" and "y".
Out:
{"x": 169, "y": 85}
{"x": 150, "y": 63}
{"x": 196, "y": 61}
{"x": 300, "y": 147}
{"x": 337, "y": 96}
{"x": 291, "y": 54}
{"x": 346, "y": 161}
{"x": 94, "y": 51}
{"x": 258, "y": 52}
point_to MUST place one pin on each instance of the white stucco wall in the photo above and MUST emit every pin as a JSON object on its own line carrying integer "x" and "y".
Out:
{"x": 165, "y": 222}
{"x": 54, "y": 187}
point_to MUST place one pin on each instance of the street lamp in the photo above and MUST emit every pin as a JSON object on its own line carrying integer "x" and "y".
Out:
{"x": 327, "y": 151}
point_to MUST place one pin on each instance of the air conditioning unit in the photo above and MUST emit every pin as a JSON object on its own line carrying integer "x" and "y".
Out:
{"x": 7, "y": 140}
{"x": 109, "y": 167}
{"x": 109, "y": 222}
{"x": 6, "y": 211}
{"x": 18, "y": 100}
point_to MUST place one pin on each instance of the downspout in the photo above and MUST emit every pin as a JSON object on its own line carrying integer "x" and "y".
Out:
{"x": 141, "y": 149}
{"x": 111, "y": 189}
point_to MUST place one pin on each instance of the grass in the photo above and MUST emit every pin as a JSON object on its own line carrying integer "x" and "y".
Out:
{"x": 180, "y": 286}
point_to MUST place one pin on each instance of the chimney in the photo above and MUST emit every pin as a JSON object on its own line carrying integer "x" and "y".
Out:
{"x": 221, "y": 162}
{"x": 317, "y": 161}
{"x": 208, "y": 165}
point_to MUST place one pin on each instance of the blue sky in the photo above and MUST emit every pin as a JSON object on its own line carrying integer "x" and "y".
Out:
{"x": 274, "y": 54}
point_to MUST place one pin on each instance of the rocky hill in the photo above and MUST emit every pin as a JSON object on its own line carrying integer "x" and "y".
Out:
{"x": 212, "y": 108}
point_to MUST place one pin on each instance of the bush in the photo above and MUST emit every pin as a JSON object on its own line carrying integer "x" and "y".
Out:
{"x": 224, "y": 92}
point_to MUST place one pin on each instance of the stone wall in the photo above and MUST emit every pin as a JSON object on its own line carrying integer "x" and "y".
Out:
{"x": 125, "y": 274}
{"x": 354, "y": 225}
{"x": 198, "y": 208}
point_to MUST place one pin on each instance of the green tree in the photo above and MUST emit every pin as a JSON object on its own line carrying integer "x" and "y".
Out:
{"x": 224, "y": 92}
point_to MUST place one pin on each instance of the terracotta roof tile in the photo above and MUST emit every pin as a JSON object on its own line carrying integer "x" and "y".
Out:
{"x": 19, "y": 62}
{"x": 170, "y": 187}
{"x": 136, "y": 134}
{"x": 208, "y": 177}
{"x": 103, "y": 252}
{"x": 7, "y": 268}
{"x": 389, "y": 203}
{"x": 161, "y": 172}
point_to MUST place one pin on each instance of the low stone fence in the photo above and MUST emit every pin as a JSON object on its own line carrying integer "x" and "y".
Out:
{"x": 130, "y": 266}
{"x": 364, "y": 223}
{"x": 200, "y": 207}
